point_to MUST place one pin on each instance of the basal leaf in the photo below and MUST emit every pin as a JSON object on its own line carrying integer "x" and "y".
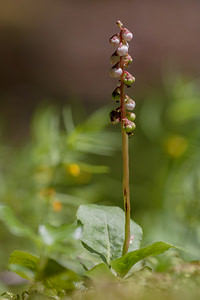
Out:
{"x": 100, "y": 271}
{"x": 103, "y": 230}
{"x": 123, "y": 264}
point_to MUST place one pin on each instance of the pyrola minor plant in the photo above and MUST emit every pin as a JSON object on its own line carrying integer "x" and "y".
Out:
{"x": 123, "y": 114}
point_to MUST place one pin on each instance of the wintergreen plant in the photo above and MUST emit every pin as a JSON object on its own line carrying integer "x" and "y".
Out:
{"x": 104, "y": 232}
{"x": 123, "y": 114}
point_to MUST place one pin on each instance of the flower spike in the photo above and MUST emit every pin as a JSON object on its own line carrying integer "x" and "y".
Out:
{"x": 123, "y": 114}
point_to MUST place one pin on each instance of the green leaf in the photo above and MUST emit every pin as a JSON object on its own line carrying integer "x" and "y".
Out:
{"x": 103, "y": 231}
{"x": 13, "y": 225}
{"x": 24, "y": 264}
{"x": 100, "y": 271}
{"x": 123, "y": 264}
{"x": 52, "y": 274}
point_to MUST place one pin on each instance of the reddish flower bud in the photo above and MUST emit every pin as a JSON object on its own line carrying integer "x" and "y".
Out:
{"x": 127, "y": 60}
{"x": 127, "y": 35}
{"x": 114, "y": 40}
{"x": 128, "y": 78}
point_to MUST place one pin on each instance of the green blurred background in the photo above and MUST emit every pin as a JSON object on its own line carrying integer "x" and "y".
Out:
{"x": 57, "y": 148}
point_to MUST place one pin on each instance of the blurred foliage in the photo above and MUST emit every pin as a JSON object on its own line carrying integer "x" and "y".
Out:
{"x": 67, "y": 163}
{"x": 46, "y": 180}
{"x": 171, "y": 125}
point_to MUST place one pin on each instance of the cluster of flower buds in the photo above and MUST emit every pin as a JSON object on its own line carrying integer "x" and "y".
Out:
{"x": 119, "y": 60}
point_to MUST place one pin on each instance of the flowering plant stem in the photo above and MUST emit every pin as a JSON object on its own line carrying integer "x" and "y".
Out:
{"x": 121, "y": 59}
{"x": 125, "y": 156}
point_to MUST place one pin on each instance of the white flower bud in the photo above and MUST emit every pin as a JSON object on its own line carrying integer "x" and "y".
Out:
{"x": 129, "y": 103}
{"x": 127, "y": 35}
{"x": 122, "y": 50}
{"x": 115, "y": 72}
{"x": 115, "y": 40}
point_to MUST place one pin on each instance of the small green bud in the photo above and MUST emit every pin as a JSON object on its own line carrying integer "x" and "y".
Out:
{"x": 130, "y": 116}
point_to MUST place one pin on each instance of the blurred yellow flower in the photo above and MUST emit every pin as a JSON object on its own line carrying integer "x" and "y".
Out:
{"x": 74, "y": 170}
{"x": 176, "y": 145}
{"x": 57, "y": 205}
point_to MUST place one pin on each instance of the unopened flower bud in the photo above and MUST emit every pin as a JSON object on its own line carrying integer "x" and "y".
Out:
{"x": 129, "y": 103}
{"x": 127, "y": 35}
{"x": 119, "y": 23}
{"x": 130, "y": 116}
{"x": 116, "y": 71}
{"x": 127, "y": 60}
{"x": 122, "y": 49}
{"x": 128, "y": 78}
{"x": 128, "y": 126}
{"x": 115, "y": 40}
{"x": 115, "y": 116}
{"x": 114, "y": 58}
{"x": 116, "y": 94}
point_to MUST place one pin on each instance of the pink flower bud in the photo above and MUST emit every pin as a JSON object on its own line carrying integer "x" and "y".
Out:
{"x": 128, "y": 78}
{"x": 129, "y": 103}
{"x": 127, "y": 35}
{"x": 122, "y": 49}
{"x": 115, "y": 40}
{"x": 114, "y": 58}
{"x": 127, "y": 60}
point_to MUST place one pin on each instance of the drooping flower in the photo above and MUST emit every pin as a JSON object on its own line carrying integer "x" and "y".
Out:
{"x": 129, "y": 103}
{"x": 127, "y": 35}
{"x": 114, "y": 40}
{"x": 122, "y": 49}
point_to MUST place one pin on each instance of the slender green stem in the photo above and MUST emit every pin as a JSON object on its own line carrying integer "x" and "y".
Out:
{"x": 125, "y": 156}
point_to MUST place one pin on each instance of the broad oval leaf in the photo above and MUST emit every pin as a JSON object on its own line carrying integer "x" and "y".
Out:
{"x": 123, "y": 264}
{"x": 103, "y": 230}
{"x": 100, "y": 271}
